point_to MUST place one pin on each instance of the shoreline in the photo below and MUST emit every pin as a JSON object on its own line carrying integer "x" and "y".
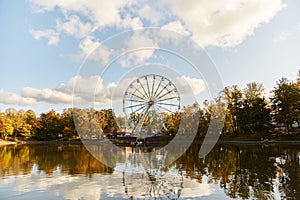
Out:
{"x": 259, "y": 142}
{"x": 233, "y": 142}
{"x": 3, "y": 143}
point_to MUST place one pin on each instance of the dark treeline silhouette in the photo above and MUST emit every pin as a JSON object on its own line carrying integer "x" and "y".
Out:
{"x": 247, "y": 112}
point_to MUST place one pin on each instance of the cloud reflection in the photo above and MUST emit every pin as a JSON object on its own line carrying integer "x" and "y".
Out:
{"x": 63, "y": 186}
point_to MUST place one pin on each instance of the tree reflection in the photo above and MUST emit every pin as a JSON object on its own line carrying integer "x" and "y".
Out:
{"x": 71, "y": 159}
{"x": 247, "y": 172}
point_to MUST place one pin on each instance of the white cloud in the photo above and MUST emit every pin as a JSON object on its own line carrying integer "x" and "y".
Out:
{"x": 46, "y": 95}
{"x": 282, "y": 37}
{"x": 86, "y": 89}
{"x": 223, "y": 23}
{"x": 10, "y": 98}
{"x": 94, "y": 50}
{"x": 138, "y": 48}
{"x": 190, "y": 86}
{"x": 177, "y": 27}
{"x": 63, "y": 93}
{"x": 50, "y": 35}
{"x": 130, "y": 22}
{"x": 89, "y": 90}
{"x": 103, "y": 14}
{"x": 75, "y": 27}
{"x": 219, "y": 23}
{"x": 83, "y": 18}
{"x": 150, "y": 14}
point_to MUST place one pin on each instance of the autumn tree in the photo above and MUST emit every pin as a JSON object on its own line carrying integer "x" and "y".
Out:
{"x": 50, "y": 126}
{"x": 67, "y": 123}
{"x": 111, "y": 123}
{"x": 33, "y": 121}
{"x": 6, "y": 127}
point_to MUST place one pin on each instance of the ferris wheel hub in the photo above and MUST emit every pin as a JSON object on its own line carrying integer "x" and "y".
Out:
{"x": 151, "y": 103}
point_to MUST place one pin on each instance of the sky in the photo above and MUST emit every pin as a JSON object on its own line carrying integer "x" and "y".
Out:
{"x": 46, "y": 44}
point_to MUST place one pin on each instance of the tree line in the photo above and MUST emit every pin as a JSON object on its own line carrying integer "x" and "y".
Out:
{"x": 247, "y": 111}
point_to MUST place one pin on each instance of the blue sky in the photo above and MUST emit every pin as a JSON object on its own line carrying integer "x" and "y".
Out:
{"x": 44, "y": 43}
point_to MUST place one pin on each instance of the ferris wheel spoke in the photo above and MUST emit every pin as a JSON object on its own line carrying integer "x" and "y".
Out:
{"x": 152, "y": 86}
{"x": 168, "y": 104}
{"x": 170, "y": 91}
{"x": 137, "y": 90}
{"x": 166, "y": 99}
{"x": 163, "y": 108}
{"x": 137, "y": 96}
{"x": 141, "y": 121}
{"x": 134, "y": 100}
{"x": 142, "y": 107}
{"x": 148, "y": 87}
{"x": 161, "y": 80}
{"x": 157, "y": 111}
{"x": 164, "y": 88}
{"x": 137, "y": 105}
{"x": 143, "y": 89}
{"x": 145, "y": 111}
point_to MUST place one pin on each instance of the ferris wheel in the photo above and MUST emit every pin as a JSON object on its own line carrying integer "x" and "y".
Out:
{"x": 150, "y": 97}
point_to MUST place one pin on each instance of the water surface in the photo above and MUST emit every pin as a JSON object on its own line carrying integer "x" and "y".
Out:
{"x": 71, "y": 172}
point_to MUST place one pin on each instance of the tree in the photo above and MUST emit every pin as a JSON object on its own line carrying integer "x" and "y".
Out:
{"x": 33, "y": 121}
{"x": 111, "y": 123}
{"x": 253, "y": 91}
{"x": 67, "y": 123}
{"x": 172, "y": 123}
{"x": 286, "y": 103}
{"x": 247, "y": 111}
{"x": 21, "y": 127}
{"x": 50, "y": 126}
{"x": 81, "y": 119}
{"x": 6, "y": 127}
{"x": 232, "y": 97}
{"x": 256, "y": 114}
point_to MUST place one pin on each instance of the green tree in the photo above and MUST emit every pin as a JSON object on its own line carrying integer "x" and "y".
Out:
{"x": 286, "y": 103}
{"x": 255, "y": 112}
{"x": 233, "y": 98}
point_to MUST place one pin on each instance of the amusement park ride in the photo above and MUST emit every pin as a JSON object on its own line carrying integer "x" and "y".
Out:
{"x": 147, "y": 101}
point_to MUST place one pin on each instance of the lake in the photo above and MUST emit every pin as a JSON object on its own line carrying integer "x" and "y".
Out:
{"x": 69, "y": 171}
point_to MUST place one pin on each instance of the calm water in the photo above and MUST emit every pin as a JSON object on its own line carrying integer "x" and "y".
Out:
{"x": 229, "y": 171}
